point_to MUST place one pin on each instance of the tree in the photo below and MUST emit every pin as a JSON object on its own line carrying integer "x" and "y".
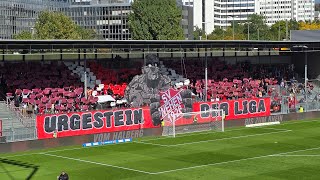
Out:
{"x": 52, "y": 25}
{"x": 257, "y": 28}
{"x": 24, "y": 35}
{"x": 217, "y": 34}
{"x": 87, "y": 33}
{"x": 55, "y": 25}
{"x": 155, "y": 20}
{"x": 228, "y": 34}
{"x": 198, "y": 32}
{"x": 315, "y": 25}
{"x": 274, "y": 29}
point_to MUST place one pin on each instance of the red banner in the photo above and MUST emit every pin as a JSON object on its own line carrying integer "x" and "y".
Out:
{"x": 94, "y": 122}
{"x": 82, "y": 123}
{"x": 238, "y": 109}
{"x": 171, "y": 104}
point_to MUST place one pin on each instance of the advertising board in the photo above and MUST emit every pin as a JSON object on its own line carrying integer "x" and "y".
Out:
{"x": 237, "y": 109}
{"x": 93, "y": 122}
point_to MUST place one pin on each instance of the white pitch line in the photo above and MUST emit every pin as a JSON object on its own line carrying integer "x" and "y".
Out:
{"x": 297, "y": 122}
{"x": 142, "y": 142}
{"x": 60, "y": 150}
{"x": 273, "y": 128}
{"x": 18, "y": 155}
{"x": 212, "y": 140}
{"x": 298, "y": 155}
{"x": 303, "y": 150}
{"x": 236, "y": 137}
{"x": 209, "y": 132}
{"x": 233, "y": 161}
{"x": 192, "y": 134}
{"x": 97, "y": 163}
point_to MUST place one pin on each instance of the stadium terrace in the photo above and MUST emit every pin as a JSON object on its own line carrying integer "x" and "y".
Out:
{"x": 223, "y": 97}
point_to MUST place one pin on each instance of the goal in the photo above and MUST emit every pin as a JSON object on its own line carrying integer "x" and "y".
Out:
{"x": 210, "y": 120}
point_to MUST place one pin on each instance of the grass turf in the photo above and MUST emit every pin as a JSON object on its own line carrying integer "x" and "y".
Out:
{"x": 287, "y": 151}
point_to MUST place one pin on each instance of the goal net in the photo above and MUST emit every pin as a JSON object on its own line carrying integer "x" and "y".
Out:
{"x": 211, "y": 120}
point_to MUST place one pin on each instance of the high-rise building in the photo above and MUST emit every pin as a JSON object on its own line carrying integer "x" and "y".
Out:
{"x": 211, "y": 14}
{"x": 187, "y": 19}
{"x": 109, "y": 18}
{"x": 276, "y": 10}
{"x": 20, "y": 15}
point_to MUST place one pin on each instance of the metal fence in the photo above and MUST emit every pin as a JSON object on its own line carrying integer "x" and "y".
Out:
{"x": 16, "y": 127}
{"x": 292, "y": 95}
{"x": 20, "y": 134}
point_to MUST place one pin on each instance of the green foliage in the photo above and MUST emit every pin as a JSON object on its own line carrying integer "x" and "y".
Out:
{"x": 217, "y": 34}
{"x": 258, "y": 29}
{"x": 231, "y": 33}
{"x": 55, "y": 25}
{"x": 155, "y": 20}
{"x": 197, "y": 32}
{"x": 24, "y": 35}
{"x": 281, "y": 26}
{"x": 87, "y": 33}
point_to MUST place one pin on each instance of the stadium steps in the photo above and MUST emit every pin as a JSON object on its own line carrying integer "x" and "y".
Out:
{"x": 13, "y": 128}
{"x": 8, "y": 118}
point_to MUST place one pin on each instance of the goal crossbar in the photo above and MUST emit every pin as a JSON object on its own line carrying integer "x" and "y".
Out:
{"x": 210, "y": 120}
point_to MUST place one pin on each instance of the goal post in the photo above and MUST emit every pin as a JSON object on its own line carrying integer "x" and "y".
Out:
{"x": 210, "y": 120}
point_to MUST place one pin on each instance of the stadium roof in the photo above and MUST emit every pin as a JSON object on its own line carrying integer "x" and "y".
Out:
{"x": 150, "y": 44}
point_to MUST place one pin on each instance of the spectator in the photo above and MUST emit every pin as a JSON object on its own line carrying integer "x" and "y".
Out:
{"x": 29, "y": 110}
{"x": 63, "y": 176}
{"x": 52, "y": 108}
{"x": 36, "y": 109}
{"x": 24, "y": 109}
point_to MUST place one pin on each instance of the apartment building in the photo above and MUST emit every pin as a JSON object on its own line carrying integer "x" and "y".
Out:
{"x": 211, "y": 14}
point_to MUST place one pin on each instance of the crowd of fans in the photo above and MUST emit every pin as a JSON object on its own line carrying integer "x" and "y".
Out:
{"x": 227, "y": 81}
{"x": 52, "y": 100}
{"x": 52, "y": 88}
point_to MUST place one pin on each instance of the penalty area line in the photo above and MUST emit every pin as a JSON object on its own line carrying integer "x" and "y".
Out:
{"x": 234, "y": 161}
{"x": 212, "y": 140}
{"x": 192, "y": 134}
{"x": 97, "y": 163}
{"x": 298, "y": 155}
{"x": 211, "y": 132}
{"x": 228, "y": 138}
{"x": 154, "y": 144}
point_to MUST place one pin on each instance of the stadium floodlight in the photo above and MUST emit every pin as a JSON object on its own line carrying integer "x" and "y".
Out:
{"x": 210, "y": 120}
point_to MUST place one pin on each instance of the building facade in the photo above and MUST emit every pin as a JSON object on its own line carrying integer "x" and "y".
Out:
{"x": 299, "y": 10}
{"x": 187, "y": 19}
{"x": 109, "y": 18}
{"x": 211, "y": 14}
{"x": 20, "y": 15}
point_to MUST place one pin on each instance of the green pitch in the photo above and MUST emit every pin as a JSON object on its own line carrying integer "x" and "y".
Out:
{"x": 287, "y": 151}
